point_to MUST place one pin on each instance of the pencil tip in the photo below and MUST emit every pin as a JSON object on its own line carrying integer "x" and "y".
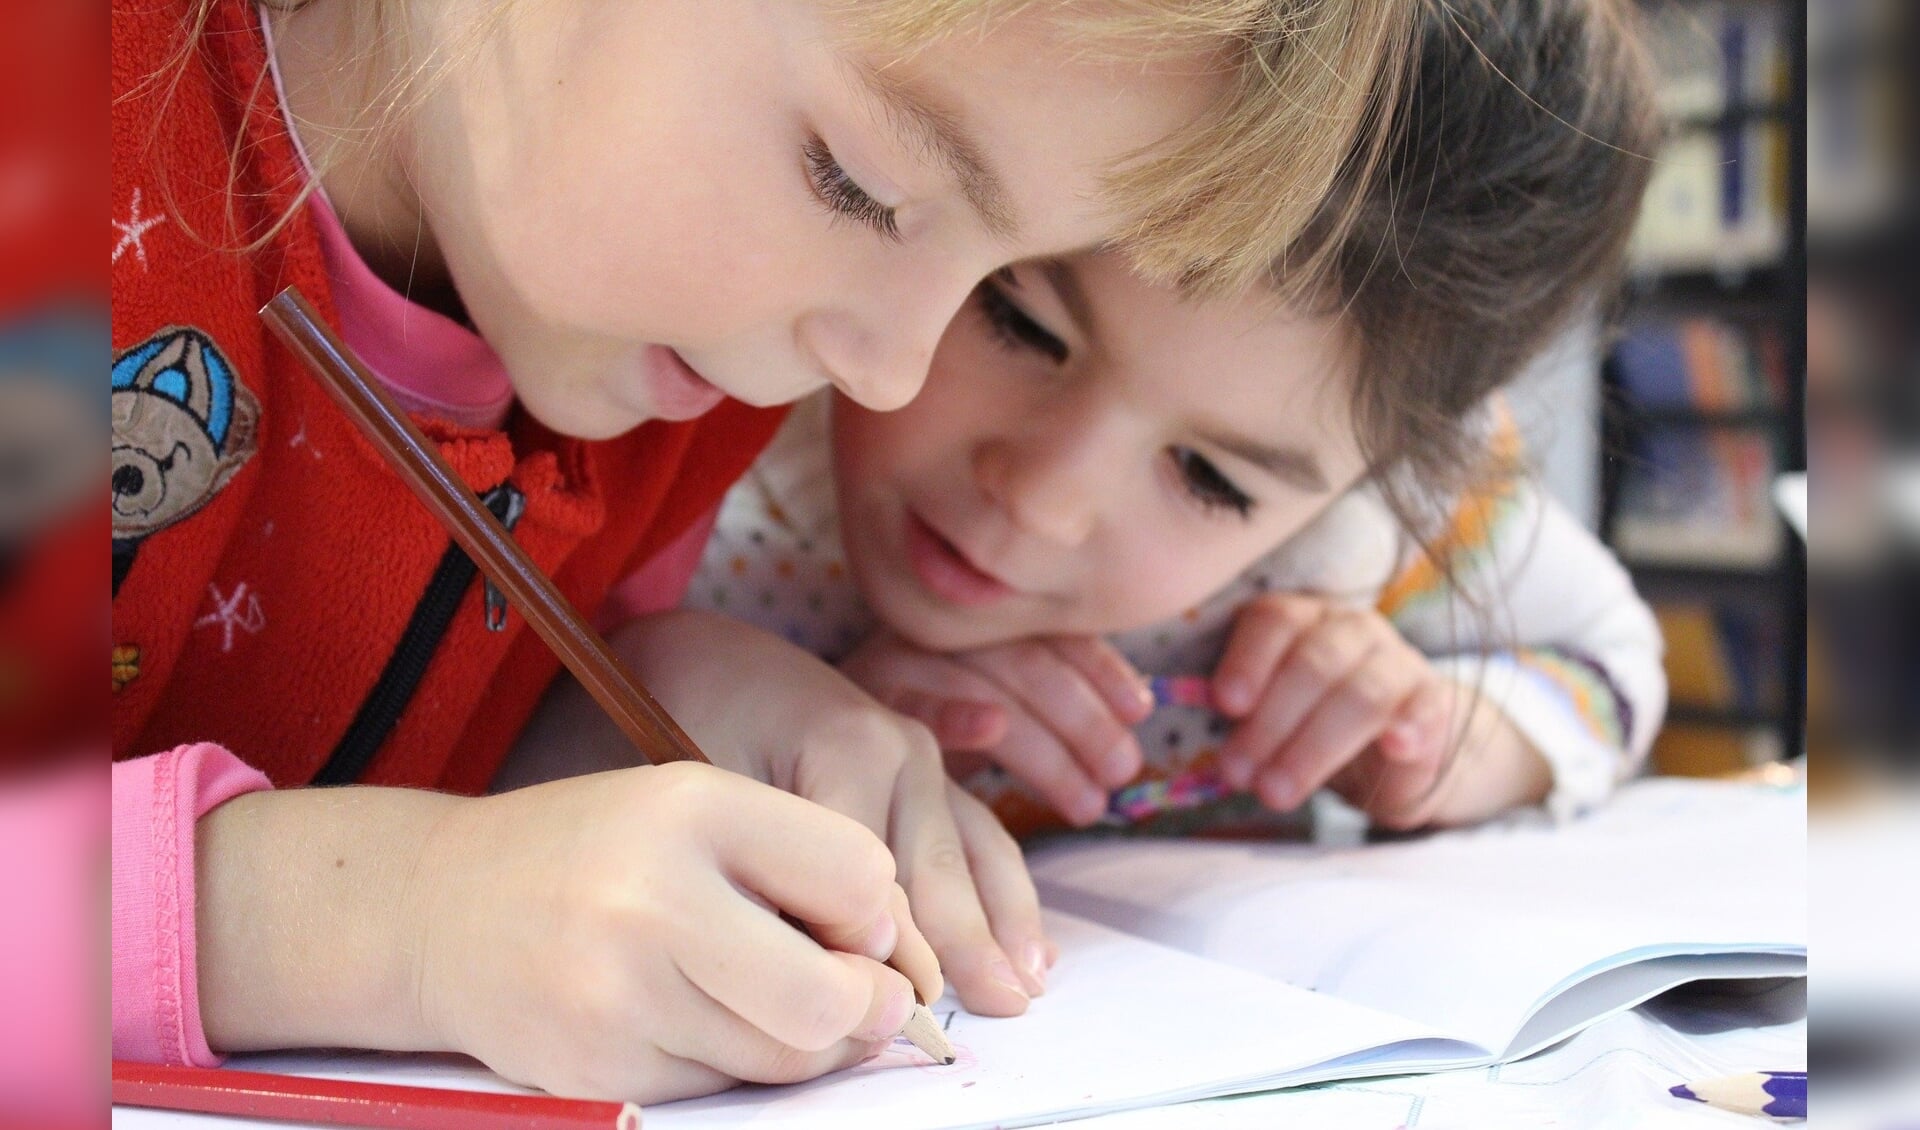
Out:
{"x": 1684, "y": 1092}
{"x": 947, "y": 1062}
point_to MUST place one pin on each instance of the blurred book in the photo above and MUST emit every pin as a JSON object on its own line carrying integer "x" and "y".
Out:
{"x": 1690, "y": 493}
{"x": 1713, "y": 657}
{"x": 1702, "y": 363}
{"x": 1717, "y": 200}
{"x": 1688, "y": 498}
{"x": 1723, "y": 688}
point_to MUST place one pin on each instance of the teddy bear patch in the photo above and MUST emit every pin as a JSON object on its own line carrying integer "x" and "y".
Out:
{"x": 183, "y": 424}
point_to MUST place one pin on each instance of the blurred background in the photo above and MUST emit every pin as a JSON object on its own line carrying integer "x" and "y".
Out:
{"x": 54, "y": 248}
{"x": 1863, "y": 436}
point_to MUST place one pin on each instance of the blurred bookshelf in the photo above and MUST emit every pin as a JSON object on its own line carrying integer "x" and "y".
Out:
{"x": 1704, "y": 390}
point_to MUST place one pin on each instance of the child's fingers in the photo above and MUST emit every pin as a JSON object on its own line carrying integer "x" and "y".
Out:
{"x": 1263, "y": 631}
{"x": 876, "y": 787}
{"x": 1406, "y": 792}
{"x": 1345, "y": 721}
{"x": 710, "y": 1036}
{"x": 779, "y": 980}
{"x": 1006, "y": 889}
{"x": 1060, "y": 698}
{"x": 959, "y": 725}
{"x": 965, "y": 711}
{"x": 1424, "y": 725}
{"x": 1320, "y": 660}
{"x": 842, "y": 885}
{"x": 1034, "y": 756}
{"x": 937, "y": 871}
{"x": 1404, "y": 799}
{"x": 912, "y": 954}
{"x": 1109, "y": 674}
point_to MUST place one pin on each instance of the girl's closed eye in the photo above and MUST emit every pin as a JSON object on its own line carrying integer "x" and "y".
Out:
{"x": 842, "y": 195}
{"x": 1015, "y": 328}
{"x": 1205, "y": 483}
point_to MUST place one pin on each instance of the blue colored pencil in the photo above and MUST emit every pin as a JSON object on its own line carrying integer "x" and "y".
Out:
{"x": 1776, "y": 1094}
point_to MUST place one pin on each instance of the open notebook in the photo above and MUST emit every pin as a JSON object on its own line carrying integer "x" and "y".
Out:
{"x": 1194, "y": 969}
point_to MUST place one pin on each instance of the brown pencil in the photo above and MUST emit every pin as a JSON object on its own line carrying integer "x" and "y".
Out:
{"x": 639, "y": 715}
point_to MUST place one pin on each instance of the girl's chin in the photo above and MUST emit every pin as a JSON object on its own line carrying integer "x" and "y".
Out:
{"x": 941, "y": 631}
{"x": 575, "y": 421}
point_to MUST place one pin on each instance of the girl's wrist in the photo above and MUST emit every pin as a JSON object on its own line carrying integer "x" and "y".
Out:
{"x": 311, "y": 915}
{"x": 1495, "y": 768}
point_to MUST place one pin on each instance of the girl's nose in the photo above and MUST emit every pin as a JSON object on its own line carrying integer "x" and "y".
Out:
{"x": 1043, "y": 484}
{"x": 878, "y": 352}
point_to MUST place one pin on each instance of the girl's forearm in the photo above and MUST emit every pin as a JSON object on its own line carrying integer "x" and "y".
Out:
{"x": 309, "y": 911}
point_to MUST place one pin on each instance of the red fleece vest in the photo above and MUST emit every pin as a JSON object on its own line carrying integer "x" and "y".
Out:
{"x": 278, "y": 589}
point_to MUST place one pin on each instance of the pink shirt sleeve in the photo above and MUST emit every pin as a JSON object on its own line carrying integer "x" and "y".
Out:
{"x": 157, "y": 801}
{"x": 661, "y": 583}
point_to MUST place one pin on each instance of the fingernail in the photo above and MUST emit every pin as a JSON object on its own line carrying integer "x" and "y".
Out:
{"x": 1033, "y": 956}
{"x": 881, "y": 939}
{"x": 1053, "y": 954}
{"x": 1000, "y": 972}
{"x": 1233, "y": 694}
{"x": 1279, "y": 791}
{"x": 1123, "y": 761}
{"x": 975, "y": 719}
{"x": 893, "y": 1018}
{"x": 1089, "y": 808}
{"x": 1405, "y": 739}
{"x": 1235, "y": 772}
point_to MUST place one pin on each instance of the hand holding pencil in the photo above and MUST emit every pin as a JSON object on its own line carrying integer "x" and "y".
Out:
{"x": 653, "y": 969}
{"x": 601, "y": 936}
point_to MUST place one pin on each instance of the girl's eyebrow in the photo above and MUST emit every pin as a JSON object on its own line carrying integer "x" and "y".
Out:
{"x": 928, "y": 127}
{"x": 1290, "y": 464}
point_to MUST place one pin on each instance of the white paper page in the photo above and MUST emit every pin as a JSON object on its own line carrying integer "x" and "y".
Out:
{"x": 1616, "y": 990}
{"x": 1124, "y": 1023}
{"x": 1612, "y": 1076}
{"x": 1465, "y": 932}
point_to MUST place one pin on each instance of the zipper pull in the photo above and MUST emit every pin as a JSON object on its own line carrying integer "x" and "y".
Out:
{"x": 507, "y": 504}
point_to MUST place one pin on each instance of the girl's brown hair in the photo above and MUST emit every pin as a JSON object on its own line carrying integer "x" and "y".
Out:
{"x": 1519, "y": 152}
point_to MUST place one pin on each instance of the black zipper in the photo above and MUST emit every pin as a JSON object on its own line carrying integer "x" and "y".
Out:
{"x": 380, "y": 711}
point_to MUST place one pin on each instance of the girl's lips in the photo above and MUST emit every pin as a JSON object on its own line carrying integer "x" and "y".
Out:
{"x": 946, "y": 573}
{"x": 674, "y": 390}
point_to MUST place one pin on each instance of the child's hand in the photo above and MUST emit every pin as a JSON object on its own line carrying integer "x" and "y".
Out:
{"x": 1327, "y": 694}
{"x": 1056, "y": 713}
{"x": 1314, "y": 685}
{"x": 631, "y": 915}
{"x": 1476, "y": 766}
{"x": 614, "y": 935}
{"x": 762, "y": 707}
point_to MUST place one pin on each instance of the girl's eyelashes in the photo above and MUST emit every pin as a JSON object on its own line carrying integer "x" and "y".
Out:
{"x": 1204, "y": 482}
{"x": 1014, "y": 327}
{"x": 842, "y": 196}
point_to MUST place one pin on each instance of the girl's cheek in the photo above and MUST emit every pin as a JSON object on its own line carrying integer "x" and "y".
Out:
{"x": 1152, "y": 582}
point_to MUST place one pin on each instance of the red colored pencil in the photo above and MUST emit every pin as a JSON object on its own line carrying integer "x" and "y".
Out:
{"x": 337, "y": 1102}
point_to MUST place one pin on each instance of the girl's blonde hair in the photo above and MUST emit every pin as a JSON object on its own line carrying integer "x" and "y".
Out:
{"x": 1310, "y": 86}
